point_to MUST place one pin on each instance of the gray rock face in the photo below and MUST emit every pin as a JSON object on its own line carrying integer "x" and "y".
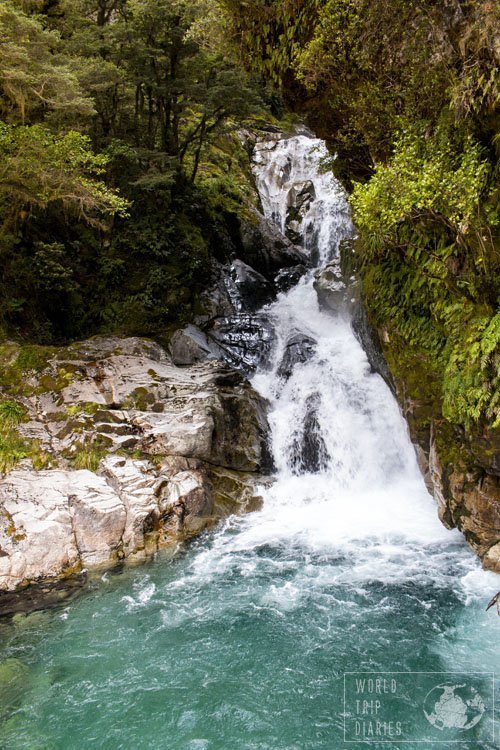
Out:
{"x": 339, "y": 293}
{"x": 369, "y": 339}
{"x": 119, "y": 397}
{"x": 468, "y": 495}
{"x": 249, "y": 290}
{"x": 267, "y": 250}
{"x": 55, "y": 523}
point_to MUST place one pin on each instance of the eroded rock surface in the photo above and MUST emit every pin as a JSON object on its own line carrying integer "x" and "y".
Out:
{"x": 159, "y": 438}
{"x": 468, "y": 494}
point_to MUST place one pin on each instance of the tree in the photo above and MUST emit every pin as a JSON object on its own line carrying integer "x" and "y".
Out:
{"x": 38, "y": 168}
{"x": 36, "y": 82}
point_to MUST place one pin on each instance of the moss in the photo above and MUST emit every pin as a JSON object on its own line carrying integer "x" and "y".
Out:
{"x": 91, "y": 408}
{"x": 33, "y": 357}
{"x": 47, "y": 383}
{"x": 452, "y": 447}
{"x": 140, "y": 399}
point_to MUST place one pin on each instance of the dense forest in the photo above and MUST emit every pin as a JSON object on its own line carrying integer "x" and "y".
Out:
{"x": 121, "y": 172}
{"x": 119, "y": 162}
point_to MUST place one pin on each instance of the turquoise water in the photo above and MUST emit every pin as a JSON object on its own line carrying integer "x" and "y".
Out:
{"x": 251, "y": 655}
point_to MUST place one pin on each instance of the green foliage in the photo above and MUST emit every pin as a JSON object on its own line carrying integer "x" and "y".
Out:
{"x": 426, "y": 176}
{"x": 270, "y": 34}
{"x": 11, "y": 413}
{"x": 36, "y": 81}
{"x": 88, "y": 456}
{"x": 472, "y": 376}
{"x": 12, "y": 450}
{"x": 38, "y": 168}
{"x": 119, "y": 163}
{"x": 430, "y": 264}
{"x": 32, "y": 357}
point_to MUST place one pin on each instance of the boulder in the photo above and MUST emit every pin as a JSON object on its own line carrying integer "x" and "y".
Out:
{"x": 265, "y": 248}
{"x": 248, "y": 289}
{"x": 55, "y": 523}
{"x": 331, "y": 288}
{"x": 289, "y": 277}
{"x": 299, "y": 348}
{"x": 310, "y": 454}
{"x": 299, "y": 199}
{"x": 247, "y": 340}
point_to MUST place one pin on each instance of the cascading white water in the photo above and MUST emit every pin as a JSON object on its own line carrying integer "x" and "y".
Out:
{"x": 369, "y": 500}
{"x": 281, "y": 167}
{"x": 367, "y": 506}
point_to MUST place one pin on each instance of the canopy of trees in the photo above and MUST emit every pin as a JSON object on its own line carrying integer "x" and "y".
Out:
{"x": 115, "y": 123}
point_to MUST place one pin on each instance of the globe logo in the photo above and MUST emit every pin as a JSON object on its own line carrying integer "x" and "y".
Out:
{"x": 453, "y": 707}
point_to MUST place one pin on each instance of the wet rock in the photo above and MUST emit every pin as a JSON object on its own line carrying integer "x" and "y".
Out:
{"x": 266, "y": 249}
{"x": 331, "y": 288}
{"x": 370, "y": 341}
{"x": 310, "y": 454}
{"x": 299, "y": 348}
{"x": 423, "y": 465}
{"x": 40, "y": 596}
{"x": 299, "y": 199}
{"x": 289, "y": 277}
{"x": 246, "y": 339}
{"x": 187, "y": 503}
{"x": 248, "y": 289}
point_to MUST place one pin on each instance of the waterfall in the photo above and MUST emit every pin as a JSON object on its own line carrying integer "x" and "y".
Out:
{"x": 347, "y": 477}
{"x": 347, "y": 483}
